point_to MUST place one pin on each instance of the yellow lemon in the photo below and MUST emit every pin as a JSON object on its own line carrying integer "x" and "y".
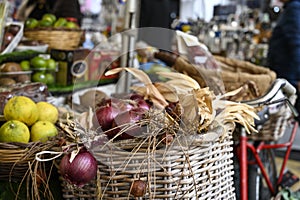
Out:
{"x": 47, "y": 112}
{"x": 14, "y": 131}
{"x": 42, "y": 130}
{"x": 21, "y": 108}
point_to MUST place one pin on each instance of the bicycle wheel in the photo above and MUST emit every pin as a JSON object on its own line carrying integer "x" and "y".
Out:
{"x": 257, "y": 185}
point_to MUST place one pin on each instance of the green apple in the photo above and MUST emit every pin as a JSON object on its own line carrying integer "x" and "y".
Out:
{"x": 49, "y": 17}
{"x": 31, "y": 23}
{"x": 61, "y": 22}
{"x": 71, "y": 25}
{"x": 45, "y": 23}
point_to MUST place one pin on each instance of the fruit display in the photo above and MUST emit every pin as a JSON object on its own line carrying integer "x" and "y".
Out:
{"x": 43, "y": 68}
{"x": 50, "y": 20}
{"x": 58, "y": 33}
{"x": 27, "y": 121}
{"x": 12, "y": 73}
{"x": 39, "y": 68}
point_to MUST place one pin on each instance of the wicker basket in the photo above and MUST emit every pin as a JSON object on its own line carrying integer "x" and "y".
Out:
{"x": 17, "y": 159}
{"x": 277, "y": 124}
{"x": 198, "y": 170}
{"x": 233, "y": 75}
{"x": 65, "y": 39}
{"x": 27, "y": 177}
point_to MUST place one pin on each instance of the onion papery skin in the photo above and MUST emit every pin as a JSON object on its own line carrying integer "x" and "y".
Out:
{"x": 81, "y": 170}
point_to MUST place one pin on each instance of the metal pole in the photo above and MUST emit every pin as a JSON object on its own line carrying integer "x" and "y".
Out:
{"x": 128, "y": 46}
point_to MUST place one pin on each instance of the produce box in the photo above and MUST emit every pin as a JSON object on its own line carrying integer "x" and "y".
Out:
{"x": 83, "y": 68}
{"x": 72, "y": 66}
{"x": 101, "y": 61}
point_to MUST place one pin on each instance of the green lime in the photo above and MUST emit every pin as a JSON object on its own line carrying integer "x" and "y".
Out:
{"x": 50, "y": 80}
{"x": 31, "y": 23}
{"x": 25, "y": 65}
{"x": 38, "y": 62}
{"x": 39, "y": 77}
{"x": 51, "y": 64}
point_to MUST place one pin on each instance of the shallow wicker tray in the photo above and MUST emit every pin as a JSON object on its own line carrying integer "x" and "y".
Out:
{"x": 56, "y": 38}
{"x": 200, "y": 170}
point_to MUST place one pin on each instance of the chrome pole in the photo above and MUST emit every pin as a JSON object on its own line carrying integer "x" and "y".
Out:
{"x": 128, "y": 46}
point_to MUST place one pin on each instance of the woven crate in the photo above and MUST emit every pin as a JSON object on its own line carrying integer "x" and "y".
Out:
{"x": 65, "y": 39}
{"x": 198, "y": 170}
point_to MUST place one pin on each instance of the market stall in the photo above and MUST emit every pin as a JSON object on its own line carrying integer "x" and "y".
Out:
{"x": 90, "y": 115}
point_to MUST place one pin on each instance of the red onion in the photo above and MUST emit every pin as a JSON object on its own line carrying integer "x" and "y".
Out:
{"x": 108, "y": 109}
{"x": 104, "y": 116}
{"x": 125, "y": 118}
{"x": 143, "y": 104}
{"x": 81, "y": 170}
{"x": 134, "y": 96}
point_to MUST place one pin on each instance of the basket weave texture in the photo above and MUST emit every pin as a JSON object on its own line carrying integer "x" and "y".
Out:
{"x": 233, "y": 75}
{"x": 276, "y": 126}
{"x": 197, "y": 170}
{"x": 64, "y": 39}
{"x": 17, "y": 159}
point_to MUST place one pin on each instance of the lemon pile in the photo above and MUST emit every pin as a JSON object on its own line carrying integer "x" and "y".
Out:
{"x": 28, "y": 121}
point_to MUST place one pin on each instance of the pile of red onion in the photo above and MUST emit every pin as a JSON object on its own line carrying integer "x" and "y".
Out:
{"x": 79, "y": 171}
{"x": 113, "y": 114}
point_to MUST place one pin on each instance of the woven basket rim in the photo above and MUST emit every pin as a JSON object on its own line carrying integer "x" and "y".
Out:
{"x": 19, "y": 144}
{"x": 53, "y": 29}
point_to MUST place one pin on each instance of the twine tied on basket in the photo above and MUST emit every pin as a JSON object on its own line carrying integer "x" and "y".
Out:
{"x": 57, "y": 154}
